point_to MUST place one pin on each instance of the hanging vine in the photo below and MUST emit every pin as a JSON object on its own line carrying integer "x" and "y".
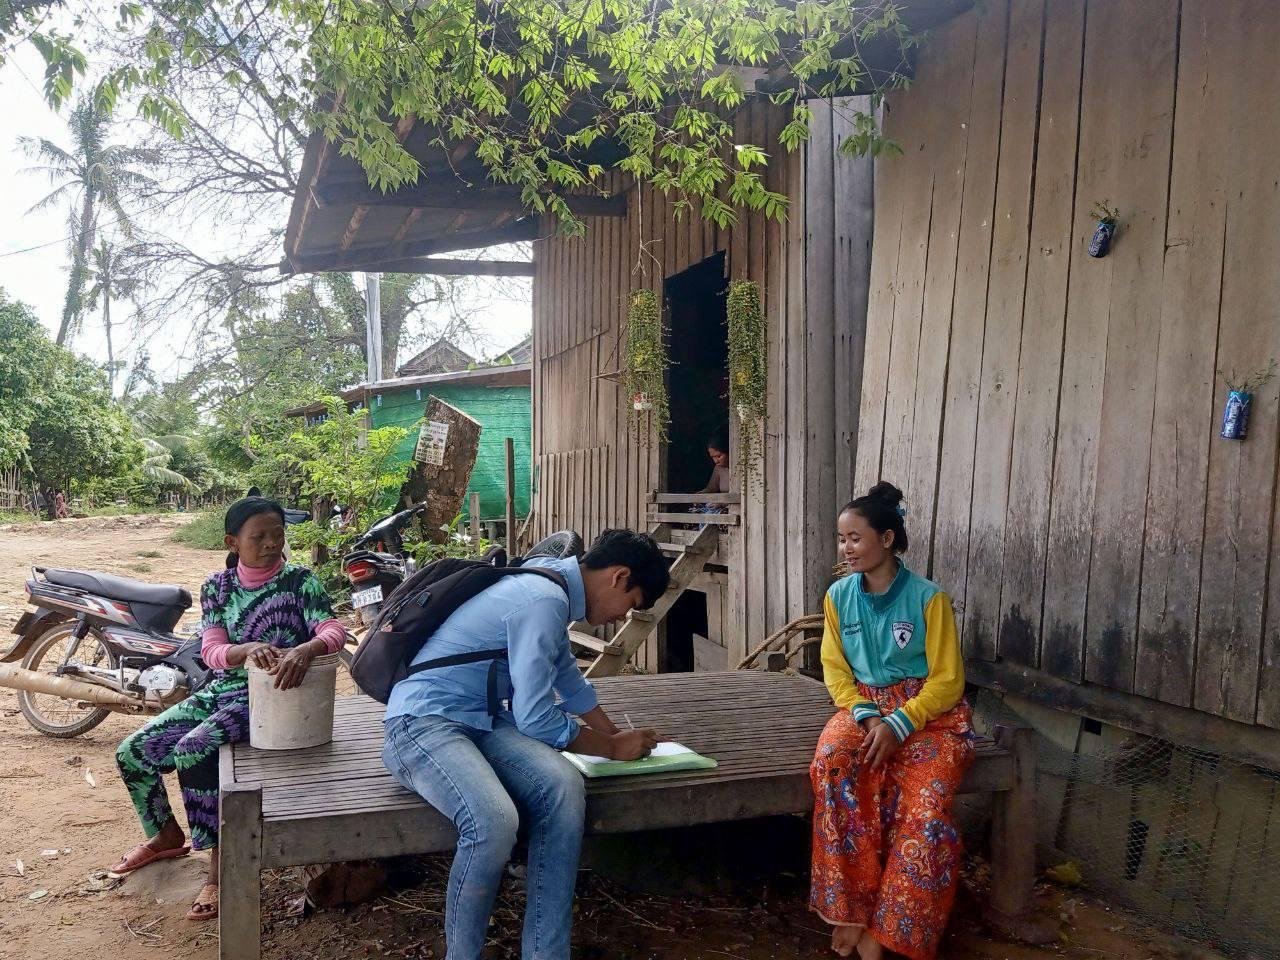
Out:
{"x": 748, "y": 366}
{"x": 646, "y": 363}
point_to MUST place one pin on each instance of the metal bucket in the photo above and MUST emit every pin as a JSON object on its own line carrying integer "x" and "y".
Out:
{"x": 296, "y": 718}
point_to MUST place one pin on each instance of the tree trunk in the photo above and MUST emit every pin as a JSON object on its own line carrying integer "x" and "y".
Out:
{"x": 72, "y": 306}
{"x": 440, "y": 476}
{"x": 321, "y": 513}
{"x": 106, "y": 323}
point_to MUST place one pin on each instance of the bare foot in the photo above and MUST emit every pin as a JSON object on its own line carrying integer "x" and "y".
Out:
{"x": 844, "y": 938}
{"x": 869, "y": 947}
{"x": 205, "y": 906}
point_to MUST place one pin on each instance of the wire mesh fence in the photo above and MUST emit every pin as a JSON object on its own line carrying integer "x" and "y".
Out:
{"x": 1187, "y": 839}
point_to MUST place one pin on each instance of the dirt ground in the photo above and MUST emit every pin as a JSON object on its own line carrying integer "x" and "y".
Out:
{"x": 62, "y": 828}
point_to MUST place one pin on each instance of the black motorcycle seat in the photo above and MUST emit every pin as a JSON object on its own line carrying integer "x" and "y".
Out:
{"x": 121, "y": 588}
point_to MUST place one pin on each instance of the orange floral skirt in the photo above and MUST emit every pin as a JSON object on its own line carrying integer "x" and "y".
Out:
{"x": 886, "y": 852}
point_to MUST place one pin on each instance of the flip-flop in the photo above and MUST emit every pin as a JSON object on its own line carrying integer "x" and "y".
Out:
{"x": 201, "y": 900}
{"x": 147, "y": 856}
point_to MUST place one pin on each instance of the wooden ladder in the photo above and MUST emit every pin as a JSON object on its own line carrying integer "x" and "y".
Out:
{"x": 691, "y": 557}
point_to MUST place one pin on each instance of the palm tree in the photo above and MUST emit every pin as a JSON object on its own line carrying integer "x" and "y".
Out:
{"x": 109, "y": 277}
{"x": 92, "y": 175}
{"x": 157, "y": 460}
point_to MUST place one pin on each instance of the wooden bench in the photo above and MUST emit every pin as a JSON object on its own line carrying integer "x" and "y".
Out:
{"x": 338, "y": 802}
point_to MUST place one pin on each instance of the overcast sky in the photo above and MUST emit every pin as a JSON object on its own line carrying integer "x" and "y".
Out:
{"x": 33, "y": 246}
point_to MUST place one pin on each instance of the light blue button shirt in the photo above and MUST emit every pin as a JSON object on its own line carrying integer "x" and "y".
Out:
{"x": 530, "y": 616}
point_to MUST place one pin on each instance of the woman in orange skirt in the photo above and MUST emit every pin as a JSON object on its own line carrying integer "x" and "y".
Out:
{"x": 886, "y": 852}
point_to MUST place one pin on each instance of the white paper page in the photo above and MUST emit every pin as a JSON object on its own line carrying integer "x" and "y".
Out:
{"x": 661, "y": 750}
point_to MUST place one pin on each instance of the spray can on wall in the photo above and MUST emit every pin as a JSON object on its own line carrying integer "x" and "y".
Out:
{"x": 1235, "y": 415}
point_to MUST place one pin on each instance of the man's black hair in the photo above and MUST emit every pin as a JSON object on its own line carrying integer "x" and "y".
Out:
{"x": 639, "y": 553}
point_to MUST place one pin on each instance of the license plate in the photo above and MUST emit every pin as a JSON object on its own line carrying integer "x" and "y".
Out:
{"x": 362, "y": 598}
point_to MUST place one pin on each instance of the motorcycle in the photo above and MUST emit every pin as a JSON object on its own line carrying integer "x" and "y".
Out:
{"x": 96, "y": 643}
{"x": 377, "y": 563}
{"x": 102, "y": 631}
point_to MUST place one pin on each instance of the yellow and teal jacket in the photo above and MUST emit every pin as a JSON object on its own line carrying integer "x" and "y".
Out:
{"x": 881, "y": 639}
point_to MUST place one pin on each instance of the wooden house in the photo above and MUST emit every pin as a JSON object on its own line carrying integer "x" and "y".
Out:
{"x": 1052, "y": 416}
{"x": 438, "y": 357}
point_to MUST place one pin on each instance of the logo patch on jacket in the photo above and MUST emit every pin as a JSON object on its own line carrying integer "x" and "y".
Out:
{"x": 903, "y": 630}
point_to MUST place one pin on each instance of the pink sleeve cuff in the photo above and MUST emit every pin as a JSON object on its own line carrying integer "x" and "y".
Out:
{"x": 214, "y": 644}
{"x": 332, "y": 633}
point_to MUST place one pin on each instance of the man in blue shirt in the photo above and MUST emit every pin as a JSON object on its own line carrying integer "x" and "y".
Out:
{"x": 486, "y": 772}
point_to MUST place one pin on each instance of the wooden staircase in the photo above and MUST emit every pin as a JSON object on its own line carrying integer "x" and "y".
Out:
{"x": 692, "y": 551}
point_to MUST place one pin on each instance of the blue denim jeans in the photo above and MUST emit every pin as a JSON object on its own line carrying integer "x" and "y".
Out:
{"x": 486, "y": 783}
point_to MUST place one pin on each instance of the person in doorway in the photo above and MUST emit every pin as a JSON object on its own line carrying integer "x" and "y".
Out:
{"x": 261, "y": 610}
{"x": 718, "y": 452}
{"x": 720, "y": 479}
{"x": 886, "y": 853}
{"x": 488, "y": 772}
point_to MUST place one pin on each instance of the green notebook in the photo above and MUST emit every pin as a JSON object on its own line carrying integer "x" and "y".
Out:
{"x": 665, "y": 758}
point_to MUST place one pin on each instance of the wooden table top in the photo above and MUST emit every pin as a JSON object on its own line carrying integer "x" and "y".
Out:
{"x": 760, "y": 727}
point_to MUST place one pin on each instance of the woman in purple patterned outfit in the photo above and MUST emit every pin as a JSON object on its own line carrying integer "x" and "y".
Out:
{"x": 258, "y": 609}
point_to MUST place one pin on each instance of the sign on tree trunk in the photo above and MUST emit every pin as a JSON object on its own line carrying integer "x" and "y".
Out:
{"x": 446, "y": 454}
{"x": 432, "y": 437}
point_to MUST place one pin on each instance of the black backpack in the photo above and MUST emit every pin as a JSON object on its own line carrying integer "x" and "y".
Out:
{"x": 415, "y": 610}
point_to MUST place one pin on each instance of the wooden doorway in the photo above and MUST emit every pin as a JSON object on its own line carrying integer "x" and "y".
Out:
{"x": 698, "y": 376}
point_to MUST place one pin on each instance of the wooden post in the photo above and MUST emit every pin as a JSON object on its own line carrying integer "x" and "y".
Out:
{"x": 475, "y": 519}
{"x": 511, "y": 496}
{"x": 1013, "y": 845}
{"x": 239, "y": 866}
{"x": 1013, "y": 828}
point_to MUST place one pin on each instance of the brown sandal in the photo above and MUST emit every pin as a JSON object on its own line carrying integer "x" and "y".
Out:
{"x": 205, "y": 905}
{"x": 140, "y": 856}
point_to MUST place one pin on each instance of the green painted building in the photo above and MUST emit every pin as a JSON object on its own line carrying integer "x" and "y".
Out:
{"x": 499, "y": 397}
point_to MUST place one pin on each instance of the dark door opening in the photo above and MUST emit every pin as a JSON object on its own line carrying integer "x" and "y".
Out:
{"x": 698, "y": 377}
{"x": 686, "y": 618}
{"x": 698, "y": 394}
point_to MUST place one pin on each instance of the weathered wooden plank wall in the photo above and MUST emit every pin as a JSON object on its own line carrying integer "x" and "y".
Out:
{"x": 1052, "y": 416}
{"x": 594, "y": 468}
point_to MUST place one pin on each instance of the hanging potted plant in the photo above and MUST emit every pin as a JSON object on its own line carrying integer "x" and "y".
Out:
{"x": 1240, "y": 391}
{"x": 1107, "y": 218}
{"x": 645, "y": 377}
{"x": 748, "y": 366}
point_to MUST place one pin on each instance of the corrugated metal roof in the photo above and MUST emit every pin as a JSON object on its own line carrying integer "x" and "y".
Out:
{"x": 508, "y": 375}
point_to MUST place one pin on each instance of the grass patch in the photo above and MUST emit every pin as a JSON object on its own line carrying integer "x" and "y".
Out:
{"x": 115, "y": 510}
{"x": 18, "y": 517}
{"x": 142, "y": 568}
{"x": 150, "y": 554}
{"x": 204, "y": 532}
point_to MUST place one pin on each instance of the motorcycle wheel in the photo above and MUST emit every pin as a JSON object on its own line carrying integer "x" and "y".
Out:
{"x": 55, "y": 716}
